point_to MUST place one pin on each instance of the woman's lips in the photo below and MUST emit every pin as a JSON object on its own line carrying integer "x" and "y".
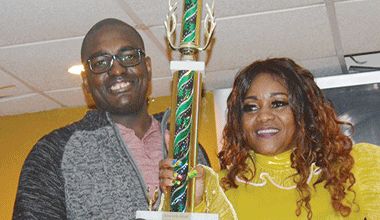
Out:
{"x": 267, "y": 132}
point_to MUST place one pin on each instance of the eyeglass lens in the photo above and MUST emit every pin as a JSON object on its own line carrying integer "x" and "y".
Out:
{"x": 126, "y": 58}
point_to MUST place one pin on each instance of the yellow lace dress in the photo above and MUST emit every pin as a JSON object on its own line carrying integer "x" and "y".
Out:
{"x": 272, "y": 194}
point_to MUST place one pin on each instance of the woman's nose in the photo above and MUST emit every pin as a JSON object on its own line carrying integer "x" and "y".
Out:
{"x": 265, "y": 114}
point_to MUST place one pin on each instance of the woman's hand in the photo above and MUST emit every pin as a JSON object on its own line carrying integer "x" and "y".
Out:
{"x": 166, "y": 174}
{"x": 168, "y": 178}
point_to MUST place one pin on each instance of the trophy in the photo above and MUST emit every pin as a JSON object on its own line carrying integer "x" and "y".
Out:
{"x": 186, "y": 96}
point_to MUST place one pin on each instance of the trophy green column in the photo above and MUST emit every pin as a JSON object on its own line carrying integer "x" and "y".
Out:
{"x": 186, "y": 96}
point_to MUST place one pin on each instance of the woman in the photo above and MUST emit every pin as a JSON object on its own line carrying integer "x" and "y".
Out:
{"x": 284, "y": 153}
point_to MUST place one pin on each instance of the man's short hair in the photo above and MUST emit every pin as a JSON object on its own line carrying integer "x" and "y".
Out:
{"x": 108, "y": 22}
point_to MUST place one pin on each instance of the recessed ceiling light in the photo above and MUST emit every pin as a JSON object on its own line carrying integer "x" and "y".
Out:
{"x": 76, "y": 69}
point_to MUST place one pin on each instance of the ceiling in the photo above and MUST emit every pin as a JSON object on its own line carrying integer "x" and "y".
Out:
{"x": 41, "y": 39}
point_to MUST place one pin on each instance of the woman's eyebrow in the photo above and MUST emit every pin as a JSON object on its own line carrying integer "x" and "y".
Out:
{"x": 272, "y": 94}
{"x": 278, "y": 93}
{"x": 251, "y": 97}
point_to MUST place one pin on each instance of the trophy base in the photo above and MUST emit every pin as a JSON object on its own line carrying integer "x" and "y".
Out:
{"x": 149, "y": 215}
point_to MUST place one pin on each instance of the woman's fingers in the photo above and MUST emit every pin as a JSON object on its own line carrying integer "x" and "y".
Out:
{"x": 168, "y": 177}
{"x": 200, "y": 172}
{"x": 166, "y": 163}
{"x": 166, "y": 174}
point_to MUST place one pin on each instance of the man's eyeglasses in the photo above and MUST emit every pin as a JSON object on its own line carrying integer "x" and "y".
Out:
{"x": 126, "y": 58}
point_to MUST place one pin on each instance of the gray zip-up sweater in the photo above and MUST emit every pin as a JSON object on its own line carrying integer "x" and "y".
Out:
{"x": 81, "y": 171}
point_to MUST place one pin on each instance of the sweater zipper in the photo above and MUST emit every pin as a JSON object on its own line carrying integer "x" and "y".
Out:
{"x": 126, "y": 151}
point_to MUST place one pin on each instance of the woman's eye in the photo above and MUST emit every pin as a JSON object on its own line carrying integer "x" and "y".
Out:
{"x": 279, "y": 104}
{"x": 250, "y": 108}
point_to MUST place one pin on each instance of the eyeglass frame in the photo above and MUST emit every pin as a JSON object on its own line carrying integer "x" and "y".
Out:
{"x": 139, "y": 51}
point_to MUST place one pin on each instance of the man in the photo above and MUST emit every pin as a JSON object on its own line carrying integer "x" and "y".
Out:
{"x": 101, "y": 166}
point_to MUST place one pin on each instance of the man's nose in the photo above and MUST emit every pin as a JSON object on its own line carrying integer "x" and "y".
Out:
{"x": 116, "y": 68}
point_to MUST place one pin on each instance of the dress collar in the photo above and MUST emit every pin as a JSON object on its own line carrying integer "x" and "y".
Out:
{"x": 278, "y": 162}
{"x": 275, "y": 170}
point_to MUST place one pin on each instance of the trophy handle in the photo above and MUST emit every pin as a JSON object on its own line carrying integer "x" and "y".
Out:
{"x": 209, "y": 25}
{"x": 171, "y": 23}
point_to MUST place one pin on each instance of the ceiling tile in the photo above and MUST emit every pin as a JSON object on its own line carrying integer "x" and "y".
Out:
{"x": 219, "y": 79}
{"x": 155, "y": 48}
{"x": 153, "y": 16}
{"x": 319, "y": 67}
{"x": 39, "y": 20}
{"x": 359, "y": 23}
{"x": 322, "y": 66}
{"x": 69, "y": 97}
{"x": 254, "y": 6}
{"x": 44, "y": 66}
{"x": 299, "y": 34}
{"x": 15, "y": 87}
{"x": 25, "y": 104}
{"x": 151, "y": 12}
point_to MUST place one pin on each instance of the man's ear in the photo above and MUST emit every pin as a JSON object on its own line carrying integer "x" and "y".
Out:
{"x": 148, "y": 64}
{"x": 85, "y": 81}
{"x": 86, "y": 90}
